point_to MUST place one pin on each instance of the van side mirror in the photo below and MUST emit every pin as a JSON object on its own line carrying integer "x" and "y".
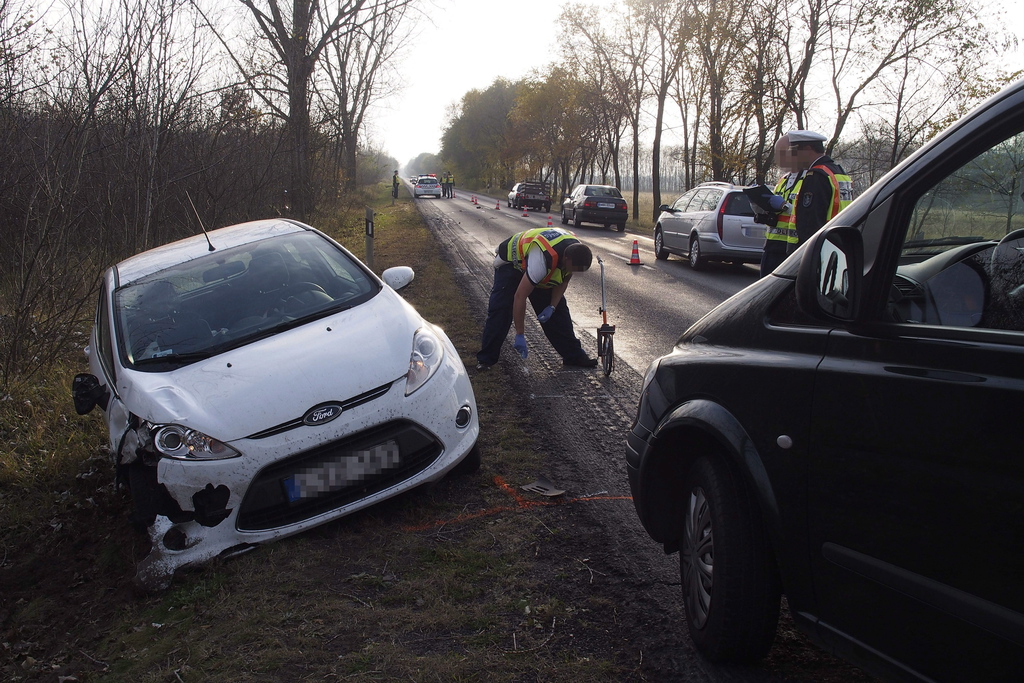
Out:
{"x": 88, "y": 393}
{"x": 828, "y": 282}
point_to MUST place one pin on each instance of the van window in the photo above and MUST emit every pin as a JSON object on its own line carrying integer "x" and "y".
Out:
{"x": 962, "y": 260}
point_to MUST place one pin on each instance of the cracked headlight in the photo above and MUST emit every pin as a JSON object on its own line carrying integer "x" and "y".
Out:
{"x": 427, "y": 356}
{"x": 181, "y": 443}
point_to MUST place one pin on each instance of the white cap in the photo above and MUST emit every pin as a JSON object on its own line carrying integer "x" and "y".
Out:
{"x": 805, "y": 136}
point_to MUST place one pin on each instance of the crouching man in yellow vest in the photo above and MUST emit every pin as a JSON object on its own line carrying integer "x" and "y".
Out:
{"x": 814, "y": 189}
{"x": 535, "y": 266}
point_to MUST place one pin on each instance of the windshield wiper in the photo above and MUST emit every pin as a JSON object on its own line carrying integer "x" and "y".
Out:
{"x": 176, "y": 359}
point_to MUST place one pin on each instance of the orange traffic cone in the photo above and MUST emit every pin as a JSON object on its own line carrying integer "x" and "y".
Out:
{"x": 634, "y": 259}
{"x": 497, "y": 206}
{"x": 549, "y": 222}
{"x": 524, "y": 211}
{"x": 474, "y": 199}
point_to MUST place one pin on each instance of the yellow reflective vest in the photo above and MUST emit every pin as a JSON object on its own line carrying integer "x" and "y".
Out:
{"x": 552, "y": 240}
{"x": 789, "y": 187}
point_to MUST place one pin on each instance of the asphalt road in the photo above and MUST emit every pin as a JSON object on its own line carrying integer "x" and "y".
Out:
{"x": 651, "y": 305}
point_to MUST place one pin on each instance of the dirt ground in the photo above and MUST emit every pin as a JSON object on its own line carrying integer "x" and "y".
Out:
{"x": 604, "y": 594}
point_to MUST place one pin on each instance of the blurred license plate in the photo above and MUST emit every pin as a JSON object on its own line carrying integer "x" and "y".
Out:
{"x": 340, "y": 472}
{"x": 605, "y": 205}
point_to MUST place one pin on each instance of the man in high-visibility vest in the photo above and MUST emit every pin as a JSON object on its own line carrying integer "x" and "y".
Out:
{"x": 814, "y": 189}
{"x": 536, "y": 266}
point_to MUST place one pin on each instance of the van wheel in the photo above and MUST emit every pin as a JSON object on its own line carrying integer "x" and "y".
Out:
{"x": 697, "y": 260}
{"x": 660, "y": 252}
{"x": 731, "y": 588}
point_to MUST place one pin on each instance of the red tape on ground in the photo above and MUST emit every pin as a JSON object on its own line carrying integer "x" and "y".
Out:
{"x": 522, "y": 504}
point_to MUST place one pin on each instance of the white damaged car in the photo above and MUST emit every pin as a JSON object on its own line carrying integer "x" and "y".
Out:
{"x": 260, "y": 381}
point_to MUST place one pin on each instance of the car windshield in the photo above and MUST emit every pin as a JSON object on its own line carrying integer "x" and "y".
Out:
{"x": 233, "y": 297}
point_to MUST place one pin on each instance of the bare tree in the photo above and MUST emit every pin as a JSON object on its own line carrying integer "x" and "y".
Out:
{"x": 357, "y": 73}
{"x": 921, "y": 31}
{"x": 802, "y": 29}
{"x": 17, "y": 42}
{"x": 42, "y": 241}
{"x": 166, "y": 58}
{"x": 716, "y": 32}
{"x": 768, "y": 88}
{"x": 665, "y": 20}
{"x": 621, "y": 57}
{"x": 298, "y": 39}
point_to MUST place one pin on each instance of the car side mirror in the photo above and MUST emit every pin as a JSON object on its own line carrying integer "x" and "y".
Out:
{"x": 828, "y": 282}
{"x": 88, "y": 393}
{"x": 398, "y": 277}
{"x": 667, "y": 208}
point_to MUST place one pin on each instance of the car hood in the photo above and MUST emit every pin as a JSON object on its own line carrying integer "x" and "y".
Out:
{"x": 275, "y": 380}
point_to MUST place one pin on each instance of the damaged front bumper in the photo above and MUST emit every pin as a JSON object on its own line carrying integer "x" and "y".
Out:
{"x": 288, "y": 481}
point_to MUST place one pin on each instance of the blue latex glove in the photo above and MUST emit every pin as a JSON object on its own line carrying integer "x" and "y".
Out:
{"x": 777, "y": 203}
{"x": 546, "y": 314}
{"x": 520, "y": 345}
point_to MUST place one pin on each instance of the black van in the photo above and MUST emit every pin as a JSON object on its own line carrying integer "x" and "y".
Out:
{"x": 848, "y": 430}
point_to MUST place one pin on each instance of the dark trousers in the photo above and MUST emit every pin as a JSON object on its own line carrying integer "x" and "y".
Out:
{"x": 775, "y": 252}
{"x": 558, "y": 329}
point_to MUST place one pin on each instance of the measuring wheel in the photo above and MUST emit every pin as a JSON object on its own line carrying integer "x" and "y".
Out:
{"x": 605, "y": 345}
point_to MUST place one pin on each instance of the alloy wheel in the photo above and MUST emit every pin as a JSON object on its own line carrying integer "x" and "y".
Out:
{"x": 698, "y": 560}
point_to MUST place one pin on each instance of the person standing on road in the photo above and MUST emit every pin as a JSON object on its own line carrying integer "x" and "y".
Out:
{"x": 535, "y": 265}
{"x": 394, "y": 185}
{"x": 451, "y": 185}
{"x": 814, "y": 189}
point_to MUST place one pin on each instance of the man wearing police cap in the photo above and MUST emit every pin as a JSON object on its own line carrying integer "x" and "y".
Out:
{"x": 814, "y": 189}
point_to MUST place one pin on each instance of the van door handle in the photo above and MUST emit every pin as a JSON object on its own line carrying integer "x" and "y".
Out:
{"x": 941, "y": 375}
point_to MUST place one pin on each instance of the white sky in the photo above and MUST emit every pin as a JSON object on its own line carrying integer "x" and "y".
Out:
{"x": 472, "y": 42}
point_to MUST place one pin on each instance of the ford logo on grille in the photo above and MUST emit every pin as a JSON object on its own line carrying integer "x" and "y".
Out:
{"x": 322, "y": 414}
